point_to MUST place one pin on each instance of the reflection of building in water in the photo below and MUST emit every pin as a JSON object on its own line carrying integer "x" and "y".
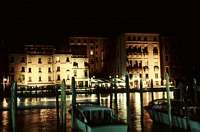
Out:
{"x": 44, "y": 65}
{"x": 142, "y": 58}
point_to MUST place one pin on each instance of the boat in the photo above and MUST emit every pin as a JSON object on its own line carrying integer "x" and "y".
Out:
{"x": 91, "y": 117}
{"x": 183, "y": 116}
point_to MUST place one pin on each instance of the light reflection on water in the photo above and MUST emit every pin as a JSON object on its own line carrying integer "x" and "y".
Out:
{"x": 37, "y": 120}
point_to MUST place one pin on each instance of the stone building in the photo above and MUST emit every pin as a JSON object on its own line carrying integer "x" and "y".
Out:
{"x": 95, "y": 48}
{"x": 44, "y": 65}
{"x": 138, "y": 54}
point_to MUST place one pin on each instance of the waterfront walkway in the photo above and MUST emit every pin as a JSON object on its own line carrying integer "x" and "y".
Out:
{"x": 53, "y": 92}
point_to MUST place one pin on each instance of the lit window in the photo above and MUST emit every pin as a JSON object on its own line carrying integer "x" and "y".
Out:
{"x": 85, "y": 64}
{"x": 29, "y": 60}
{"x": 40, "y": 79}
{"x": 75, "y": 73}
{"x": 57, "y": 59}
{"x": 67, "y": 76}
{"x": 58, "y": 77}
{"x": 23, "y": 77}
{"x": 147, "y": 76}
{"x": 67, "y": 60}
{"x": 86, "y": 73}
{"x": 91, "y": 52}
{"x": 49, "y": 60}
{"x": 29, "y": 69}
{"x": 140, "y": 75}
{"x": 58, "y": 69}
{"x": 29, "y": 79}
{"x": 23, "y": 69}
{"x": 156, "y": 68}
{"x": 75, "y": 64}
{"x": 130, "y": 76}
{"x": 156, "y": 75}
{"x": 86, "y": 83}
{"x": 39, "y": 60}
{"x": 49, "y": 78}
{"x": 155, "y": 51}
{"x": 40, "y": 70}
{"x": 49, "y": 69}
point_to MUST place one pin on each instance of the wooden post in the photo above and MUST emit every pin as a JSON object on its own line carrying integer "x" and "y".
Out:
{"x": 141, "y": 102}
{"x": 128, "y": 101}
{"x": 63, "y": 105}
{"x": 168, "y": 100}
{"x": 36, "y": 91}
{"x": 1, "y": 93}
{"x": 152, "y": 95}
{"x": 73, "y": 103}
{"x": 57, "y": 106}
{"x": 111, "y": 94}
{"x": 115, "y": 101}
{"x": 13, "y": 105}
{"x": 98, "y": 94}
{"x": 195, "y": 91}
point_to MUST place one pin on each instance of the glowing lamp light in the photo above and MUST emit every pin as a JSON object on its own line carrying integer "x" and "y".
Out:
{"x": 91, "y": 52}
{"x": 4, "y": 79}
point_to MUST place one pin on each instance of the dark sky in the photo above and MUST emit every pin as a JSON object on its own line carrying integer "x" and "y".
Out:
{"x": 30, "y": 19}
{"x": 96, "y": 16}
{"x": 52, "y": 20}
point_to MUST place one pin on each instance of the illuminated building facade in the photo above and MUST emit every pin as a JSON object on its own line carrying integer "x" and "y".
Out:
{"x": 140, "y": 59}
{"x": 95, "y": 49}
{"x": 44, "y": 65}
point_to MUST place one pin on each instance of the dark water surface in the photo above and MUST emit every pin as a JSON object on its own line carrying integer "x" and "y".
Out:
{"x": 45, "y": 120}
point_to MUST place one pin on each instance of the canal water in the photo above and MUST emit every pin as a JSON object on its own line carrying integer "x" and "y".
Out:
{"x": 45, "y": 120}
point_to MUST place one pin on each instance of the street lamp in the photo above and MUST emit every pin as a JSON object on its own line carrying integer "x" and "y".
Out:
{"x": 116, "y": 80}
{"x": 4, "y": 83}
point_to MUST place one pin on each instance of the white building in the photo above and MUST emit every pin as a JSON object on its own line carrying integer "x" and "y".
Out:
{"x": 45, "y": 67}
{"x": 143, "y": 54}
{"x": 138, "y": 54}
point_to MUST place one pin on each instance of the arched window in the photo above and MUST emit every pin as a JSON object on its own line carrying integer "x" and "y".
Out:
{"x": 156, "y": 68}
{"x": 155, "y": 51}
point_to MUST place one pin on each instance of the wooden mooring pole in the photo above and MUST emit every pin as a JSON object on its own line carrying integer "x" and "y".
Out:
{"x": 98, "y": 94}
{"x": 111, "y": 94}
{"x": 168, "y": 99}
{"x": 141, "y": 104}
{"x": 73, "y": 123}
{"x": 115, "y": 100}
{"x": 195, "y": 91}
{"x": 13, "y": 105}
{"x": 152, "y": 95}
{"x": 63, "y": 105}
{"x": 128, "y": 102}
{"x": 57, "y": 106}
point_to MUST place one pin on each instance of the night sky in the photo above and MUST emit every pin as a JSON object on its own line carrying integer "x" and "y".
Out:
{"x": 52, "y": 21}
